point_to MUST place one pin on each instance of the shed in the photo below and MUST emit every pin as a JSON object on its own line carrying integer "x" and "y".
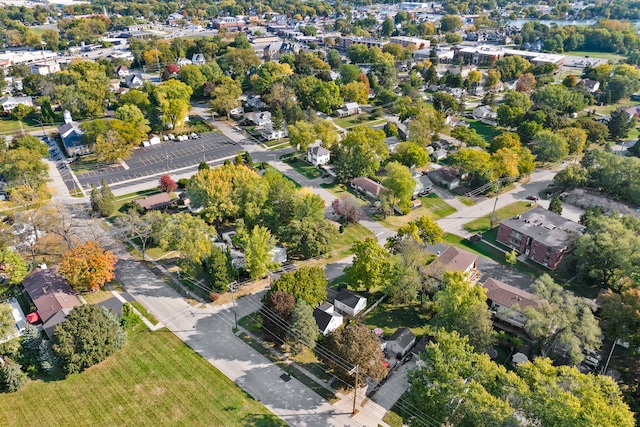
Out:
{"x": 401, "y": 341}
{"x": 326, "y": 319}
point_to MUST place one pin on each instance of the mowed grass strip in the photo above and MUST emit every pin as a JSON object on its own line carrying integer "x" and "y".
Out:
{"x": 483, "y": 224}
{"x": 155, "y": 380}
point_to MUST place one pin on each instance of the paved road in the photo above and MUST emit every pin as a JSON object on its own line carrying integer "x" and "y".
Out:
{"x": 169, "y": 155}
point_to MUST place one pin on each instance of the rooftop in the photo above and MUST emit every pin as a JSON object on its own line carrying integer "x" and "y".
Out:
{"x": 546, "y": 227}
{"x": 508, "y": 296}
{"x": 50, "y": 293}
{"x": 348, "y": 298}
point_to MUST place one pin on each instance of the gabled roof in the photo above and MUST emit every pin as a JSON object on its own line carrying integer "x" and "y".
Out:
{"x": 367, "y": 185}
{"x": 508, "y": 296}
{"x": 319, "y": 150}
{"x": 456, "y": 259}
{"x": 323, "y": 318}
{"x": 402, "y": 337}
{"x": 155, "y": 201}
{"x": 50, "y": 293}
{"x": 349, "y": 298}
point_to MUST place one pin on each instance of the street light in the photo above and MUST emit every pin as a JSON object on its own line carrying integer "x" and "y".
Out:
{"x": 232, "y": 288}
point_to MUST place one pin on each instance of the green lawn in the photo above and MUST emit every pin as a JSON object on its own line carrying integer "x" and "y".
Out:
{"x": 483, "y": 224}
{"x": 86, "y": 164}
{"x": 390, "y": 317}
{"x": 304, "y": 168}
{"x": 608, "y": 109}
{"x": 339, "y": 191}
{"x": 603, "y": 55}
{"x": 155, "y": 380}
{"x": 488, "y": 132}
{"x": 359, "y": 120}
{"x": 342, "y": 245}
{"x": 467, "y": 201}
{"x": 432, "y": 205}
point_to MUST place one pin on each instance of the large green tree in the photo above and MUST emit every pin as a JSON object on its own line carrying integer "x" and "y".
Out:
{"x": 258, "y": 244}
{"x": 307, "y": 238}
{"x": 303, "y": 332}
{"x": 400, "y": 182}
{"x": 371, "y": 266}
{"x": 173, "y": 98}
{"x": 15, "y": 267}
{"x": 620, "y": 124}
{"x": 562, "y": 319}
{"x": 89, "y": 335}
{"x": 462, "y": 307}
{"x": 549, "y": 146}
{"x": 307, "y": 283}
{"x": 188, "y": 234}
{"x": 360, "y": 153}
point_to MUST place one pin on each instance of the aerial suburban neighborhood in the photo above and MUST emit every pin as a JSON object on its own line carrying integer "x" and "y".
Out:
{"x": 320, "y": 213}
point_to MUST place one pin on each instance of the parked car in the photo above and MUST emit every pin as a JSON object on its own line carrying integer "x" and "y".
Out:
{"x": 534, "y": 198}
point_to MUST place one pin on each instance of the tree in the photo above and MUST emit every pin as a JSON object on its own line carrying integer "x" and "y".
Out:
{"x": 15, "y": 267}
{"x": 276, "y": 315}
{"x": 268, "y": 74}
{"x": 511, "y": 67}
{"x": 358, "y": 346}
{"x": 308, "y": 284}
{"x": 88, "y": 266}
{"x": 333, "y": 58}
{"x": 619, "y": 124}
{"x": 304, "y": 329}
{"x": 634, "y": 150}
{"x": 167, "y": 184}
{"x": 224, "y": 97}
{"x": 605, "y": 253}
{"x": 360, "y": 153}
{"x": 301, "y": 135}
{"x": 400, "y": 182}
{"x": 461, "y": 307}
{"x": 102, "y": 199}
{"x": 549, "y": 146}
{"x": 138, "y": 226}
{"x": 469, "y": 136}
{"x": 371, "y": 266}
{"x": 89, "y": 335}
{"x": 423, "y": 230}
{"x": 188, "y": 234}
{"x": 111, "y": 147}
{"x": 450, "y": 23}
{"x": 173, "y": 102}
{"x": 30, "y": 142}
{"x": 559, "y": 98}
{"x": 411, "y": 154}
{"x": 131, "y": 115}
{"x": 347, "y": 209}
{"x": 596, "y": 132}
{"x": 555, "y": 205}
{"x": 219, "y": 269}
{"x": 257, "y": 245}
{"x": 355, "y": 92}
{"x": 12, "y": 377}
{"x": 192, "y": 76}
{"x": 511, "y": 258}
{"x": 445, "y": 103}
{"x": 563, "y": 318}
{"x": 576, "y": 138}
{"x": 7, "y": 322}
{"x": 475, "y": 163}
{"x": 307, "y": 238}
{"x": 492, "y": 79}
{"x": 526, "y": 83}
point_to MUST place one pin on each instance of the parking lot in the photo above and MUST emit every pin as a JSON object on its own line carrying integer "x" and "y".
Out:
{"x": 165, "y": 157}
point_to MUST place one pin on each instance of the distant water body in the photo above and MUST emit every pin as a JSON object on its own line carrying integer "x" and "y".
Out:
{"x": 559, "y": 22}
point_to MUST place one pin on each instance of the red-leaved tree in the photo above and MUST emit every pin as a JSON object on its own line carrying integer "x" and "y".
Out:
{"x": 167, "y": 184}
{"x": 347, "y": 209}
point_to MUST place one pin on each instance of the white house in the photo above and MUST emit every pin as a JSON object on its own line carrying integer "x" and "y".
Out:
{"x": 349, "y": 109}
{"x": 198, "y": 59}
{"x": 318, "y": 155}
{"x": 485, "y": 113}
{"x": 349, "y": 303}
{"x": 10, "y": 102}
{"x": 183, "y": 61}
{"x": 327, "y": 319}
{"x": 423, "y": 184}
{"x": 507, "y": 303}
{"x": 270, "y": 134}
{"x": 122, "y": 71}
{"x": 133, "y": 81}
{"x": 258, "y": 118}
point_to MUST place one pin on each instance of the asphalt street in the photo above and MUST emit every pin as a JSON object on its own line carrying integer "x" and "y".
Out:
{"x": 165, "y": 157}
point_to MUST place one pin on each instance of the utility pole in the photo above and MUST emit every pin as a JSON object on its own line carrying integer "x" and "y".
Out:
{"x": 232, "y": 288}
{"x": 355, "y": 390}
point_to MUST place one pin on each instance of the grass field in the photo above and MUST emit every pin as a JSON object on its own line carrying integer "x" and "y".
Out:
{"x": 432, "y": 205}
{"x": 342, "y": 246}
{"x": 359, "y": 120}
{"x": 608, "y": 109}
{"x": 486, "y": 131}
{"x": 304, "y": 168}
{"x": 155, "y": 380}
{"x": 389, "y": 317}
{"x": 483, "y": 224}
{"x": 603, "y": 55}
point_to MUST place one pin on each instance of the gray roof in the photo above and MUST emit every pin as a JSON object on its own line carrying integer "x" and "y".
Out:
{"x": 546, "y": 227}
{"x": 403, "y": 337}
{"x": 319, "y": 151}
{"x": 348, "y": 298}
{"x": 322, "y": 319}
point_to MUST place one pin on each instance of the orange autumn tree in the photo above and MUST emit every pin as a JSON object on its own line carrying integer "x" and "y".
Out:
{"x": 88, "y": 266}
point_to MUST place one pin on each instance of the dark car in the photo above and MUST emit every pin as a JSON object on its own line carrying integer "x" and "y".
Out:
{"x": 534, "y": 198}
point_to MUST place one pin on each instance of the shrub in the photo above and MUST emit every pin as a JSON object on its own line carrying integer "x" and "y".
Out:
{"x": 182, "y": 183}
{"x": 13, "y": 379}
{"x": 129, "y": 318}
{"x": 214, "y": 296}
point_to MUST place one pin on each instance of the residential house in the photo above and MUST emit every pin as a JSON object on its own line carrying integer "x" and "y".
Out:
{"x": 592, "y": 85}
{"x": 156, "y": 201}
{"x": 122, "y": 71}
{"x": 349, "y": 109}
{"x": 175, "y": 19}
{"x": 45, "y": 68}
{"x": 485, "y": 114}
{"x": 133, "y": 81}
{"x": 73, "y": 137}
{"x": 8, "y": 103}
{"x": 541, "y": 235}
{"x": 198, "y": 59}
{"x": 456, "y": 259}
{"x": 446, "y": 177}
{"x": 52, "y": 296}
{"x": 258, "y": 118}
{"x": 370, "y": 42}
{"x": 349, "y": 303}
{"x": 327, "y": 319}
{"x": 507, "y": 303}
{"x": 366, "y": 186}
{"x": 439, "y": 154}
{"x": 392, "y": 143}
{"x": 400, "y": 342}
{"x": 318, "y": 155}
{"x": 423, "y": 185}
{"x": 181, "y": 62}
{"x": 268, "y": 133}
{"x": 255, "y": 103}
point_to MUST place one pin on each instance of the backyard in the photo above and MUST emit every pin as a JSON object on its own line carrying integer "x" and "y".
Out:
{"x": 488, "y": 132}
{"x": 304, "y": 168}
{"x": 390, "y": 317}
{"x": 432, "y": 205}
{"x": 358, "y": 120}
{"x": 155, "y": 380}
